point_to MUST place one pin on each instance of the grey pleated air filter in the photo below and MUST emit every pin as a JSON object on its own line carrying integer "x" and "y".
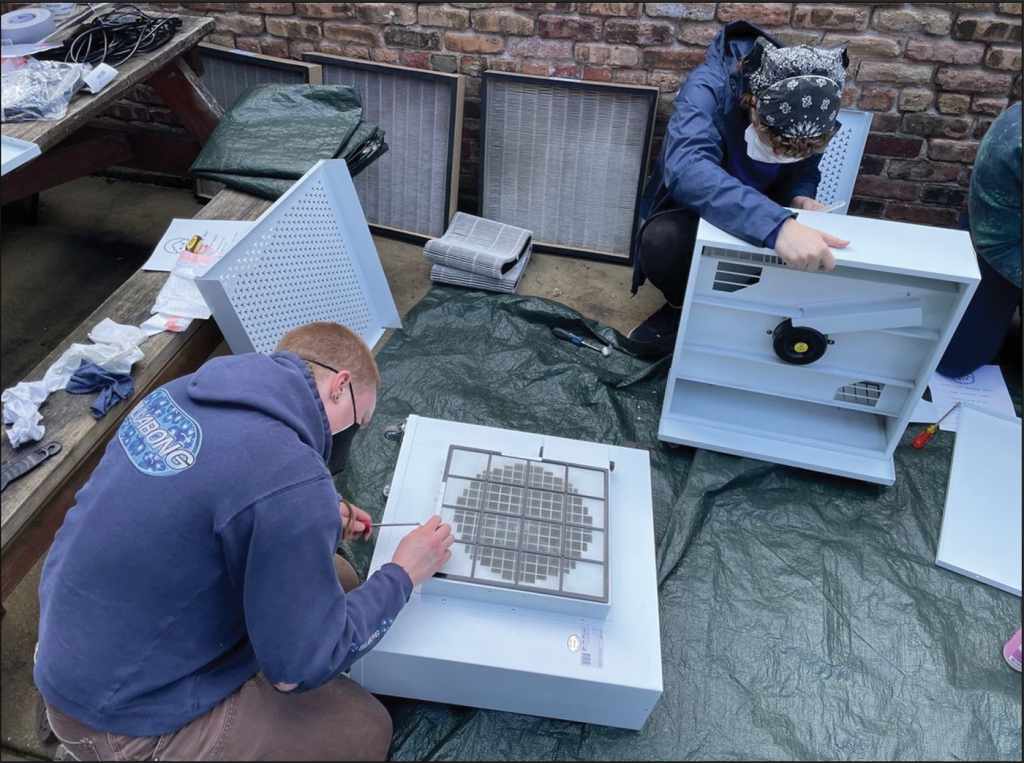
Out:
{"x": 565, "y": 159}
{"x": 412, "y": 189}
{"x": 227, "y": 73}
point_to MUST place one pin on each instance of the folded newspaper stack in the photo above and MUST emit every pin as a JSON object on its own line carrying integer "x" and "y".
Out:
{"x": 480, "y": 254}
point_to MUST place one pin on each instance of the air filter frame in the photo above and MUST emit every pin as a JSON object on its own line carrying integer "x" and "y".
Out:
{"x": 314, "y": 238}
{"x": 648, "y": 93}
{"x": 311, "y": 74}
{"x": 455, "y": 85}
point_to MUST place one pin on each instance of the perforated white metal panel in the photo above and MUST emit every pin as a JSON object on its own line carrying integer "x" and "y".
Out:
{"x": 565, "y": 160}
{"x": 412, "y": 188}
{"x": 841, "y": 162}
{"x": 308, "y": 258}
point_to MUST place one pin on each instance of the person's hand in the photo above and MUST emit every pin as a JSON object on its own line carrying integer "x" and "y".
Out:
{"x": 806, "y": 248}
{"x": 806, "y": 202}
{"x": 425, "y": 550}
{"x": 355, "y": 522}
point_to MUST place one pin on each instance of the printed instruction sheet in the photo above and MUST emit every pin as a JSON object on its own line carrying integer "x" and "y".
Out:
{"x": 207, "y": 239}
{"x": 984, "y": 389}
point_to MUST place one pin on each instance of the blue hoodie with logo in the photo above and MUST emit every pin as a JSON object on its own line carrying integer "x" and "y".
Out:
{"x": 201, "y": 551}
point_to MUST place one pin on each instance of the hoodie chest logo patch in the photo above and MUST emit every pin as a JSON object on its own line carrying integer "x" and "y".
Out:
{"x": 159, "y": 438}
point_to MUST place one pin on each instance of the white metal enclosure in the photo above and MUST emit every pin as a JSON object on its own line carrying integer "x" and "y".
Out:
{"x": 308, "y": 258}
{"x": 816, "y": 370}
{"x": 529, "y": 644}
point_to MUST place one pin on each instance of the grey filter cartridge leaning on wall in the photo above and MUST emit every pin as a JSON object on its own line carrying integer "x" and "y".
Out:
{"x": 565, "y": 159}
{"x": 308, "y": 258}
{"x": 227, "y": 73}
{"x": 413, "y": 189}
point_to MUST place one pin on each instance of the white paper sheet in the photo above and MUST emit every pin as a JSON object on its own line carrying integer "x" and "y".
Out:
{"x": 984, "y": 389}
{"x": 218, "y": 236}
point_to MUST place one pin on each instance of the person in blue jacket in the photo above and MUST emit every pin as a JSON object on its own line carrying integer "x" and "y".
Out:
{"x": 994, "y": 207}
{"x": 743, "y": 143}
{"x": 191, "y": 606}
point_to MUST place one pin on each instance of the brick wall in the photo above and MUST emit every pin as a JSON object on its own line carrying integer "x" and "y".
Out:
{"x": 934, "y": 74}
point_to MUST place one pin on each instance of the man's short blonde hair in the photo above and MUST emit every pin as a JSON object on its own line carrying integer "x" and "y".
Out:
{"x": 333, "y": 345}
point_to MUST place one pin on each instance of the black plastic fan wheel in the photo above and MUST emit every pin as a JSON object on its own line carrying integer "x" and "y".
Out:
{"x": 798, "y": 345}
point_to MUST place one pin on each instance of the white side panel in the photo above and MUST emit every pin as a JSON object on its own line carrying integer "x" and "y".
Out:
{"x": 840, "y": 164}
{"x": 981, "y": 527}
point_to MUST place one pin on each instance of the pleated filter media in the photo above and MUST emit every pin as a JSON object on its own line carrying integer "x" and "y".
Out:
{"x": 413, "y": 188}
{"x": 566, "y": 160}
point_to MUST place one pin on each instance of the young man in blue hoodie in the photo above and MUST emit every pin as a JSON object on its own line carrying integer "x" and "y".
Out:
{"x": 743, "y": 143}
{"x": 190, "y": 604}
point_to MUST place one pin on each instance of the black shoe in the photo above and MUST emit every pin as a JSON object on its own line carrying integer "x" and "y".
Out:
{"x": 657, "y": 334}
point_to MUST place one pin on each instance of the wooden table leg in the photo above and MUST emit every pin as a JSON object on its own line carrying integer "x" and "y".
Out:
{"x": 182, "y": 90}
{"x": 71, "y": 159}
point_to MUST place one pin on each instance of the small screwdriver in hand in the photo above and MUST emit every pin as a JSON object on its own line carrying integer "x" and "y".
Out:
{"x": 922, "y": 439}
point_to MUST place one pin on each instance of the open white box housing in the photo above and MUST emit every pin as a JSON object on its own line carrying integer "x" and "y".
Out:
{"x": 884, "y": 317}
{"x": 517, "y": 650}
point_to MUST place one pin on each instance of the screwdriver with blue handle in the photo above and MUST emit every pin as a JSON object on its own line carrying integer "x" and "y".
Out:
{"x": 579, "y": 341}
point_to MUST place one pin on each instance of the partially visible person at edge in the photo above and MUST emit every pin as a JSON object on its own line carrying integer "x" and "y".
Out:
{"x": 193, "y": 606}
{"x": 743, "y": 143}
{"x": 995, "y": 222}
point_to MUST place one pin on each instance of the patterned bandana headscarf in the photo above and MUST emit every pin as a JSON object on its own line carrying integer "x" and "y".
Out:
{"x": 797, "y": 90}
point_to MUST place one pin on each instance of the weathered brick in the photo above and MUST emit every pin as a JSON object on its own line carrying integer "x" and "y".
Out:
{"x": 1007, "y": 59}
{"x": 698, "y": 32}
{"x": 441, "y": 62}
{"x": 275, "y": 9}
{"x": 408, "y": 38}
{"x": 597, "y": 54}
{"x": 886, "y": 123}
{"x": 385, "y": 55}
{"x": 597, "y": 74}
{"x": 503, "y": 21}
{"x": 944, "y": 195}
{"x": 225, "y": 39}
{"x": 1010, "y": 9}
{"x": 387, "y": 13}
{"x": 762, "y": 14}
{"x": 577, "y": 28}
{"x": 293, "y": 29}
{"x": 297, "y": 47}
{"x": 537, "y": 7}
{"x": 438, "y": 15}
{"x": 875, "y": 98}
{"x": 689, "y": 11}
{"x": 910, "y": 213}
{"x": 471, "y": 42}
{"x": 916, "y": 99}
{"x": 248, "y": 44}
{"x": 991, "y": 107}
{"x": 570, "y": 71}
{"x": 667, "y": 82}
{"x": 964, "y": 181}
{"x": 273, "y": 46}
{"x": 849, "y": 96}
{"x": 637, "y": 32}
{"x": 953, "y": 103}
{"x": 863, "y": 46}
{"x": 326, "y": 10}
{"x": 346, "y": 51}
{"x": 872, "y": 165}
{"x": 536, "y": 68}
{"x": 943, "y": 150}
{"x": 866, "y": 207}
{"x": 832, "y": 17}
{"x": 904, "y": 74}
{"x": 609, "y": 9}
{"x": 417, "y": 59}
{"x": 672, "y": 58}
{"x": 986, "y": 29}
{"x": 629, "y": 76}
{"x": 893, "y": 145}
{"x": 923, "y": 169}
{"x": 981, "y": 128}
{"x": 871, "y": 185}
{"x": 935, "y": 126}
{"x": 927, "y": 20}
{"x": 945, "y": 52}
{"x": 471, "y": 65}
{"x": 533, "y": 47}
{"x": 351, "y": 34}
{"x": 797, "y": 36}
{"x": 973, "y": 81}
{"x": 238, "y": 24}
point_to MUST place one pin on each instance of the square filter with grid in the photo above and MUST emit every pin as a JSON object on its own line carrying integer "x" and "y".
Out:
{"x": 528, "y": 524}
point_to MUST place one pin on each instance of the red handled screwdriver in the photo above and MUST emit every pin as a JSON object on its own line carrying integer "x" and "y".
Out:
{"x": 922, "y": 439}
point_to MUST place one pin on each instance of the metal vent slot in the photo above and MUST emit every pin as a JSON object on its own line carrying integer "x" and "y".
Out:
{"x": 732, "y": 276}
{"x": 565, "y": 160}
{"x": 734, "y": 254}
{"x": 860, "y": 393}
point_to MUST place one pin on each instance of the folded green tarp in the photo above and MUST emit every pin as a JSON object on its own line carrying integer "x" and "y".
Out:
{"x": 275, "y": 133}
{"x": 802, "y": 615}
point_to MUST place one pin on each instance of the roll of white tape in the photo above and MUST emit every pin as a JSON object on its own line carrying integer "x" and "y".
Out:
{"x": 26, "y": 25}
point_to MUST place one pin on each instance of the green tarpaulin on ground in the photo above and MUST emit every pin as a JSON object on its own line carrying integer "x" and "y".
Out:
{"x": 802, "y": 615}
{"x": 275, "y": 133}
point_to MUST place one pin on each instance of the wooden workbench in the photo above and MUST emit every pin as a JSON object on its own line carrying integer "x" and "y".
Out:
{"x": 72, "y": 148}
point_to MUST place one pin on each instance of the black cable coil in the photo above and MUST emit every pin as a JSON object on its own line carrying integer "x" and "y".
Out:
{"x": 118, "y": 35}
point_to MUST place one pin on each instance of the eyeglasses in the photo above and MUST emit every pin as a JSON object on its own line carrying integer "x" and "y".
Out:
{"x": 351, "y": 390}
